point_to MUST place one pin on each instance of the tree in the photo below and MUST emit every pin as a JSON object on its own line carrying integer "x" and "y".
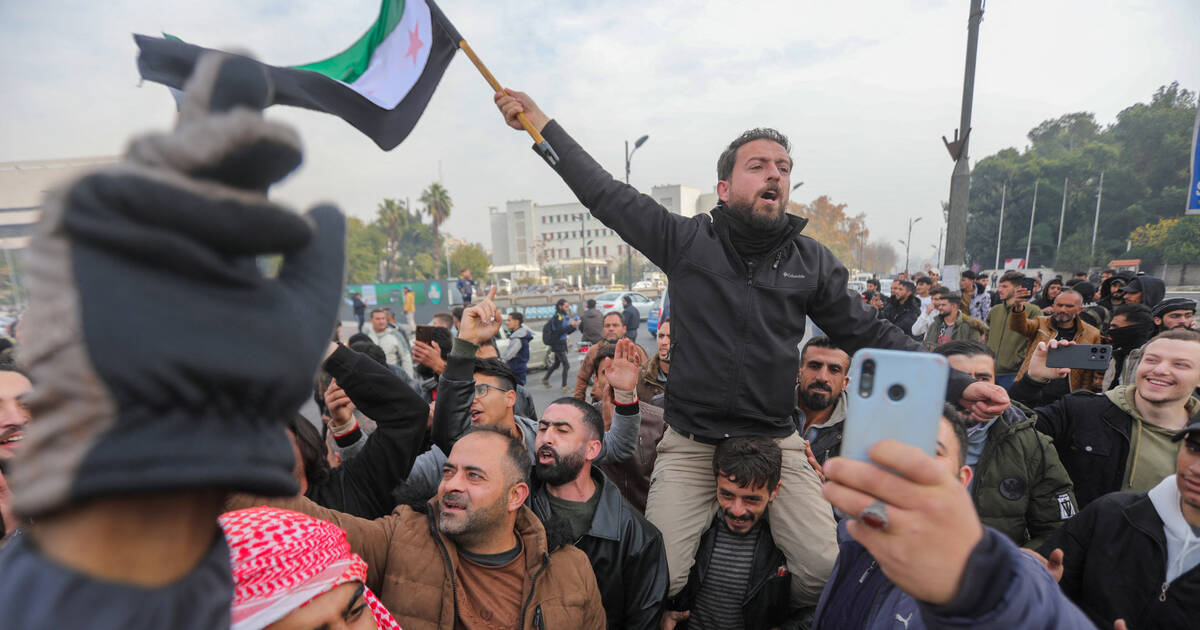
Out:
{"x": 879, "y": 257}
{"x": 833, "y": 227}
{"x": 364, "y": 251}
{"x": 471, "y": 256}
{"x": 437, "y": 205}
{"x": 405, "y": 237}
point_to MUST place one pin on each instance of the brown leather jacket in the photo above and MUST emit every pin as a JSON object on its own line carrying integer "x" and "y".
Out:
{"x": 632, "y": 476}
{"x": 648, "y": 386}
{"x": 410, "y": 567}
{"x": 587, "y": 367}
{"x": 1042, "y": 329}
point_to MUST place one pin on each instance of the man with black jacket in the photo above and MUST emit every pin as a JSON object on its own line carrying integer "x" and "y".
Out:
{"x": 747, "y": 269}
{"x": 1136, "y": 555}
{"x": 1120, "y": 440}
{"x": 554, "y": 335}
{"x": 625, "y": 550}
{"x": 631, "y": 317}
{"x": 902, "y": 309}
{"x": 740, "y": 579}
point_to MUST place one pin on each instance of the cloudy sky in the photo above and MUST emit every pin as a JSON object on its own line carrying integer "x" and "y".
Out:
{"x": 864, "y": 89}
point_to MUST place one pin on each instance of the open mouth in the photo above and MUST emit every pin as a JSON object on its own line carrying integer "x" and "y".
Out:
{"x": 1159, "y": 383}
{"x": 546, "y": 456}
{"x": 771, "y": 196}
{"x": 11, "y": 436}
{"x": 475, "y": 416}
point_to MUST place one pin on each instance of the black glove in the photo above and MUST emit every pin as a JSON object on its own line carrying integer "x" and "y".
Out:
{"x": 161, "y": 356}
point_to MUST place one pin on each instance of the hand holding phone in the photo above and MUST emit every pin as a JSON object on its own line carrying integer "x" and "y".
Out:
{"x": 894, "y": 395}
{"x": 425, "y": 333}
{"x": 1079, "y": 356}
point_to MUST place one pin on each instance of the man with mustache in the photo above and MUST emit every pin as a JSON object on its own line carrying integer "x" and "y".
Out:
{"x": 1063, "y": 323}
{"x": 742, "y": 282}
{"x": 820, "y": 399}
{"x": 625, "y": 550}
{"x": 14, "y": 415}
{"x": 740, "y": 579}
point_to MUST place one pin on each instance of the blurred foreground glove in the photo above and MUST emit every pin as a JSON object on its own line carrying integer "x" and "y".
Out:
{"x": 162, "y": 358}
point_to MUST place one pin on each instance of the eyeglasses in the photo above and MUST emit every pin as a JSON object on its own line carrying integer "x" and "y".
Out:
{"x": 481, "y": 389}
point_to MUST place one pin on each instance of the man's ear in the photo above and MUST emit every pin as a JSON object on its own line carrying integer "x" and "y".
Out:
{"x": 510, "y": 398}
{"x": 517, "y": 495}
{"x": 723, "y": 191}
{"x": 592, "y": 450}
{"x": 964, "y": 476}
{"x": 775, "y": 492}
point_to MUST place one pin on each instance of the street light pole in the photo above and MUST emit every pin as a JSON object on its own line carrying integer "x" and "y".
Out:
{"x": 1032, "y": 214}
{"x": 907, "y": 243}
{"x": 1000, "y": 229}
{"x": 628, "y": 250}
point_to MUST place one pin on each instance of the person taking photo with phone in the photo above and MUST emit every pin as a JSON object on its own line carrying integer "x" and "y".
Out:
{"x": 1010, "y": 346}
{"x": 1061, "y": 322}
{"x": 1120, "y": 440}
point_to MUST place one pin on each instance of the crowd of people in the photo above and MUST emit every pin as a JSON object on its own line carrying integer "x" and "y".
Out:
{"x": 157, "y": 473}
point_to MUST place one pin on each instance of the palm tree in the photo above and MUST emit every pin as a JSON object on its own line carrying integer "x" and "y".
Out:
{"x": 437, "y": 205}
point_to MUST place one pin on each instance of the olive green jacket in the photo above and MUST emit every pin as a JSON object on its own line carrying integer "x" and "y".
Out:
{"x": 1020, "y": 486}
{"x": 1008, "y": 344}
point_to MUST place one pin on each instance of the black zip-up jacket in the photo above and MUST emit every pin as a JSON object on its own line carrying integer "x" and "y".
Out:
{"x": 1115, "y": 564}
{"x": 735, "y": 323}
{"x": 902, "y": 315}
{"x": 1091, "y": 435}
{"x": 767, "y": 603}
{"x": 626, "y": 552}
{"x": 363, "y": 484}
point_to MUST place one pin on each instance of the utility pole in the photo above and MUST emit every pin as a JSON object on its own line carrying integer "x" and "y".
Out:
{"x": 1000, "y": 229}
{"x": 1032, "y": 214}
{"x": 908, "y": 242}
{"x": 629, "y": 250}
{"x": 960, "y": 181}
{"x": 1096, "y": 224}
{"x": 1062, "y": 216}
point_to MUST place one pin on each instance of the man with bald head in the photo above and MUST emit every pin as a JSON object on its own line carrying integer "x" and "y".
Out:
{"x": 1062, "y": 323}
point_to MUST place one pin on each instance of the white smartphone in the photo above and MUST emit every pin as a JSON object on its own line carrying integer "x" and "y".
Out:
{"x": 894, "y": 395}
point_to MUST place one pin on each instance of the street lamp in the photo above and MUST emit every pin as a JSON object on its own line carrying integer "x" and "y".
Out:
{"x": 629, "y": 252}
{"x": 909, "y": 241}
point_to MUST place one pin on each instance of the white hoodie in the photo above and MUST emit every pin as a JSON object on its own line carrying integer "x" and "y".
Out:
{"x": 1183, "y": 546}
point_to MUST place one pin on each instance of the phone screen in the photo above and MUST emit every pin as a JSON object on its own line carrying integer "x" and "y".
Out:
{"x": 425, "y": 333}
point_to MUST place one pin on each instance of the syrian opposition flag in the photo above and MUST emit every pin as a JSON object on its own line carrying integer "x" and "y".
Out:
{"x": 380, "y": 84}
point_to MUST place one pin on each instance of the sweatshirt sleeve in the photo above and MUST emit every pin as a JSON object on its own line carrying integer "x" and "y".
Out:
{"x": 637, "y": 218}
{"x": 620, "y": 440}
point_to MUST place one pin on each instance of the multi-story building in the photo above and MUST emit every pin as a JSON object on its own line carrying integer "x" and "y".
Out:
{"x": 23, "y": 188}
{"x": 526, "y": 233}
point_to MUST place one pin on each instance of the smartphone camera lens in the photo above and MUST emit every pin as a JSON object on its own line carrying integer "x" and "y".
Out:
{"x": 866, "y": 382}
{"x": 896, "y": 392}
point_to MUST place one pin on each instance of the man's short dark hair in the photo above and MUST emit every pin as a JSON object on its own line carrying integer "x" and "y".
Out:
{"x": 953, "y": 297}
{"x": 444, "y": 318}
{"x": 497, "y": 369}
{"x": 925, "y": 280}
{"x": 312, "y": 449}
{"x": 907, "y": 284}
{"x": 939, "y": 290}
{"x": 1012, "y": 277}
{"x": 1135, "y": 314}
{"x": 457, "y": 312}
{"x": 591, "y": 303}
{"x": 591, "y": 416}
{"x": 378, "y": 309}
{"x": 370, "y": 349}
{"x": 444, "y": 340}
{"x": 964, "y": 348}
{"x": 874, "y": 281}
{"x": 960, "y": 431}
{"x": 358, "y": 338}
{"x": 729, "y": 156}
{"x": 626, "y": 300}
{"x": 8, "y": 365}
{"x": 516, "y": 451}
{"x": 821, "y": 341}
{"x": 517, "y": 315}
{"x": 1082, "y": 274}
{"x": 967, "y": 273}
{"x": 616, "y": 314}
{"x": 606, "y": 351}
{"x": 560, "y": 302}
{"x": 749, "y": 462}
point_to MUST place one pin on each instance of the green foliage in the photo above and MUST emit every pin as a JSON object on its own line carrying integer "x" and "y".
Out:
{"x": 364, "y": 252}
{"x": 472, "y": 257}
{"x": 1144, "y": 157}
{"x": 437, "y": 205}
{"x": 1182, "y": 244}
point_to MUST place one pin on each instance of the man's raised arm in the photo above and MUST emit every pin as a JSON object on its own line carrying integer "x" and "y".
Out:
{"x": 637, "y": 218}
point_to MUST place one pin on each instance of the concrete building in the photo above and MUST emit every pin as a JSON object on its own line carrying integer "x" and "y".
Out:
{"x": 526, "y": 233}
{"x": 23, "y": 188}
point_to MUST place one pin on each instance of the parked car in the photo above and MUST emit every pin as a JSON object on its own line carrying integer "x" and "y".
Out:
{"x": 611, "y": 301}
{"x": 659, "y": 313}
{"x": 858, "y": 286}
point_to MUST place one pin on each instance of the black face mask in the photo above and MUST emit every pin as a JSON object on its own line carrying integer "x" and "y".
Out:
{"x": 1130, "y": 337}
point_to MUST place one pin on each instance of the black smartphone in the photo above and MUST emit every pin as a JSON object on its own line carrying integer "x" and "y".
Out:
{"x": 1027, "y": 284}
{"x": 425, "y": 333}
{"x": 1080, "y": 357}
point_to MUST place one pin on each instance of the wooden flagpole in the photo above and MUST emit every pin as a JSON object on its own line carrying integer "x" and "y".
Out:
{"x": 540, "y": 145}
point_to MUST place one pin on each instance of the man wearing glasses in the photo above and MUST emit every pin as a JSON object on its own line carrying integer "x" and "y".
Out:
{"x": 481, "y": 391}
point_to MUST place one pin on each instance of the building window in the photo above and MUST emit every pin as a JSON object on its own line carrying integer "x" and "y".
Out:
{"x": 605, "y": 250}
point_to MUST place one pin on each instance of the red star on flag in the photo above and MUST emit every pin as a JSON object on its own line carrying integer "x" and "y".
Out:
{"x": 414, "y": 43}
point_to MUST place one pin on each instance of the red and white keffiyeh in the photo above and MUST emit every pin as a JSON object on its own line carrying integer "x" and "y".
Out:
{"x": 282, "y": 560}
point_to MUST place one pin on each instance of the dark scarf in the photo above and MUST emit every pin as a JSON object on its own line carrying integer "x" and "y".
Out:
{"x": 748, "y": 241}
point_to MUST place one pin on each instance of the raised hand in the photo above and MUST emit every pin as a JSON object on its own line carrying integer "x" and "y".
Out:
{"x": 481, "y": 321}
{"x": 429, "y": 355}
{"x": 622, "y": 371}
{"x": 341, "y": 408}
{"x": 512, "y": 102}
{"x": 1037, "y": 363}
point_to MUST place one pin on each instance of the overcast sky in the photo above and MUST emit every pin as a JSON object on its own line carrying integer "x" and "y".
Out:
{"x": 865, "y": 90}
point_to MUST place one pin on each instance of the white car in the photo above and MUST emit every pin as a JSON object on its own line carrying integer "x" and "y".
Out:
{"x": 611, "y": 301}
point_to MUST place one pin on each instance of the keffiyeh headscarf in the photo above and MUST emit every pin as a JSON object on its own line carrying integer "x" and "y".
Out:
{"x": 282, "y": 560}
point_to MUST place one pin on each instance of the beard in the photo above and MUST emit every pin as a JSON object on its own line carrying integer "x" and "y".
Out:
{"x": 758, "y": 221}
{"x": 564, "y": 469}
{"x": 1062, "y": 319}
{"x": 816, "y": 399}
{"x": 474, "y": 524}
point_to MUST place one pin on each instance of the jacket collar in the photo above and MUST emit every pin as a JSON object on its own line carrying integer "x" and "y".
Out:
{"x": 529, "y": 529}
{"x": 607, "y": 520}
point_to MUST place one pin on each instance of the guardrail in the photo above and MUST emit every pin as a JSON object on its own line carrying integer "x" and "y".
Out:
{"x": 541, "y": 305}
